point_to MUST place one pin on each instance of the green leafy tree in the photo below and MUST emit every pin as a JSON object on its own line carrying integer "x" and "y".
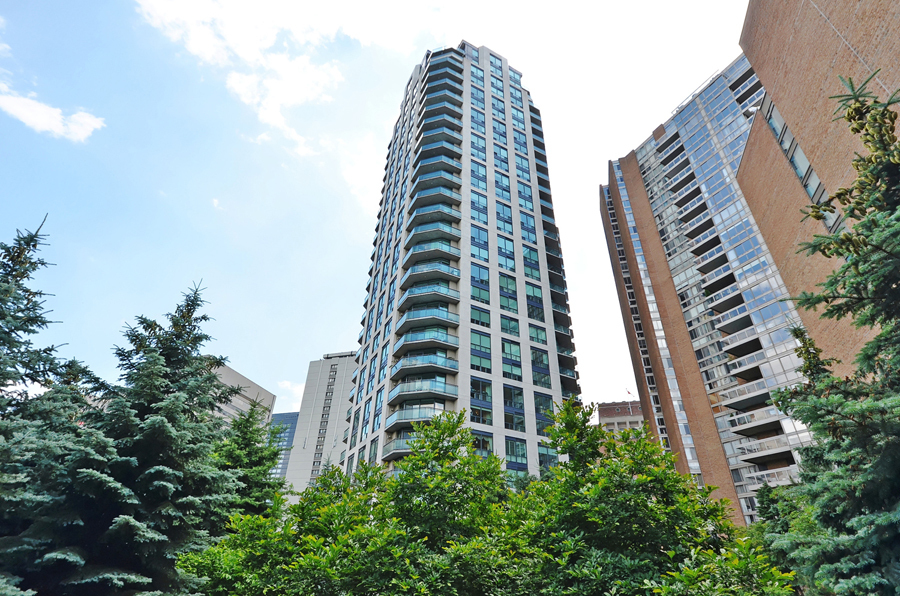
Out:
{"x": 449, "y": 524}
{"x": 843, "y": 531}
{"x": 617, "y": 514}
{"x": 739, "y": 570}
{"x": 251, "y": 451}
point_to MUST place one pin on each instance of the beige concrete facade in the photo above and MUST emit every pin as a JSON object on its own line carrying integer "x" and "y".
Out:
{"x": 250, "y": 392}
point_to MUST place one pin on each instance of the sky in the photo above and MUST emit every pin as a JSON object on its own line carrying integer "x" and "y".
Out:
{"x": 240, "y": 147}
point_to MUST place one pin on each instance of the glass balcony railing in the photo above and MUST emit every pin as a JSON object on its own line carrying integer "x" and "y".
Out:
{"x": 438, "y": 208}
{"x": 439, "y": 176}
{"x": 428, "y": 313}
{"x": 739, "y": 336}
{"x": 414, "y": 414}
{"x": 565, "y": 351}
{"x": 777, "y": 442}
{"x": 395, "y": 446}
{"x": 424, "y": 386}
{"x": 437, "y": 193}
{"x": 742, "y": 418}
{"x": 557, "y": 288}
{"x": 567, "y": 372}
{"x": 772, "y": 477}
{"x": 422, "y": 336}
{"x": 435, "y": 226}
{"x": 559, "y": 308}
{"x": 443, "y": 132}
{"x": 429, "y": 289}
{"x": 423, "y": 268}
{"x": 444, "y": 246}
{"x": 563, "y": 329}
{"x": 556, "y": 270}
{"x": 436, "y": 161}
{"x": 425, "y": 360}
{"x": 551, "y": 235}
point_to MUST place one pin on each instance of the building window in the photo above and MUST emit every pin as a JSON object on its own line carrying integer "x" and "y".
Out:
{"x": 499, "y": 129}
{"x": 515, "y": 96}
{"x": 522, "y": 169}
{"x": 520, "y": 142}
{"x": 512, "y": 360}
{"x": 496, "y": 66}
{"x": 479, "y": 207}
{"x": 498, "y": 109}
{"x": 477, "y": 75}
{"x": 516, "y": 451}
{"x": 518, "y": 118}
{"x": 481, "y": 317}
{"x": 480, "y": 284}
{"x": 513, "y": 397}
{"x": 509, "y": 325}
{"x": 529, "y": 231}
{"x": 501, "y": 185}
{"x": 478, "y": 122}
{"x": 526, "y": 199}
{"x": 547, "y": 457}
{"x": 481, "y": 351}
{"x": 501, "y": 158}
{"x": 483, "y": 444}
{"x": 477, "y": 98}
{"x": 497, "y": 86}
{"x": 514, "y": 421}
{"x": 373, "y": 450}
{"x": 479, "y": 148}
{"x": 479, "y": 176}
{"x": 480, "y": 248}
{"x": 480, "y": 390}
{"x": 481, "y": 415}
{"x": 537, "y": 334}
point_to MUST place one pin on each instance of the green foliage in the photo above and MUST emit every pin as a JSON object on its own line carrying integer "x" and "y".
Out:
{"x": 251, "y": 451}
{"x": 840, "y": 528}
{"x": 101, "y": 486}
{"x": 448, "y": 524}
{"x": 740, "y": 570}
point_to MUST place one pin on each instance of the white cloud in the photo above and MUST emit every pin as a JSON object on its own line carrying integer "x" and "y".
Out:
{"x": 43, "y": 118}
{"x": 215, "y": 204}
{"x": 258, "y": 139}
{"x": 290, "y": 398}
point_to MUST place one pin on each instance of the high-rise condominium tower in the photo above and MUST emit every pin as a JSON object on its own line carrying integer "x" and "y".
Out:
{"x": 702, "y": 298}
{"x": 466, "y": 304}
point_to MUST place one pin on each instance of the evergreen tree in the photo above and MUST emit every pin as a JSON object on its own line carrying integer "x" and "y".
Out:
{"x": 843, "y": 533}
{"x": 102, "y": 487}
{"x": 251, "y": 451}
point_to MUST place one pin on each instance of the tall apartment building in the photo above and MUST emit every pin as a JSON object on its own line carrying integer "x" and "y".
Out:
{"x": 316, "y": 430}
{"x": 796, "y": 152}
{"x": 701, "y": 295}
{"x": 466, "y": 304}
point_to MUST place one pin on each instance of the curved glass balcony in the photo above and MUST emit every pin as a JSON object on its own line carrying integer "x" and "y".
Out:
{"x": 428, "y": 272}
{"x": 433, "y": 135}
{"x": 439, "y": 178}
{"x": 440, "y": 194}
{"x": 437, "y": 163}
{"x": 422, "y": 389}
{"x": 427, "y": 316}
{"x": 430, "y": 213}
{"x": 396, "y": 449}
{"x": 432, "y": 231}
{"x": 404, "y": 418}
{"x": 423, "y": 340}
{"x": 429, "y": 293}
{"x": 424, "y": 364}
{"x": 430, "y": 250}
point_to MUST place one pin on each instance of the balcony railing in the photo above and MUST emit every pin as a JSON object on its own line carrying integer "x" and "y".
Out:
{"x": 395, "y": 447}
{"x": 444, "y": 246}
{"x": 567, "y": 372}
{"x": 423, "y": 361}
{"x": 414, "y": 414}
{"x": 430, "y": 289}
{"x": 428, "y": 313}
{"x": 436, "y": 210}
{"x": 563, "y": 329}
{"x": 430, "y": 267}
{"x": 744, "y": 418}
{"x": 777, "y": 442}
{"x": 777, "y": 477}
{"x": 421, "y": 336}
{"x": 430, "y": 386}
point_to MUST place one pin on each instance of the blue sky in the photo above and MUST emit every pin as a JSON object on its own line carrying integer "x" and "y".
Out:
{"x": 240, "y": 145}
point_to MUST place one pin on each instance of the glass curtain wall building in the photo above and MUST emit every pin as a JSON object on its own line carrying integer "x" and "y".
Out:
{"x": 701, "y": 296}
{"x": 466, "y": 303}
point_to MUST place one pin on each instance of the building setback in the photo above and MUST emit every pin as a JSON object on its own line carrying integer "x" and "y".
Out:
{"x": 314, "y": 433}
{"x": 466, "y": 304}
{"x": 702, "y": 296}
